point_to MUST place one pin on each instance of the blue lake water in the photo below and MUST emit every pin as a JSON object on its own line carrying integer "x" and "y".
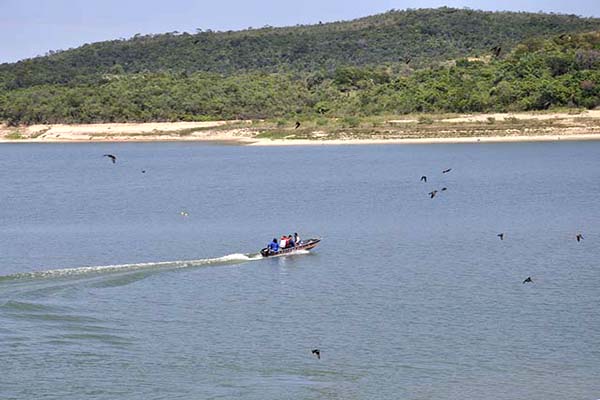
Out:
{"x": 108, "y": 292}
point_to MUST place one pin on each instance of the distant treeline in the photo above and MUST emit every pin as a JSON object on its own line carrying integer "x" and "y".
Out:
{"x": 538, "y": 74}
{"x": 419, "y": 37}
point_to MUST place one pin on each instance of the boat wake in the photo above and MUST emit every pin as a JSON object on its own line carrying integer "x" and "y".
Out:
{"x": 229, "y": 259}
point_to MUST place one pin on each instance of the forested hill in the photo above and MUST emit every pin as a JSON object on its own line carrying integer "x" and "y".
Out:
{"x": 560, "y": 71}
{"x": 418, "y": 36}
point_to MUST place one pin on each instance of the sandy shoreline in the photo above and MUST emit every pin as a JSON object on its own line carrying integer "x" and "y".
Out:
{"x": 328, "y": 142}
{"x": 426, "y": 129}
{"x": 450, "y": 140}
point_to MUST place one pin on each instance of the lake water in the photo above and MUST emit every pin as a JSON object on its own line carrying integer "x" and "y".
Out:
{"x": 108, "y": 292}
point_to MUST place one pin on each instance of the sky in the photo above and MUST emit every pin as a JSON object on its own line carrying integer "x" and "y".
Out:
{"x": 29, "y": 28}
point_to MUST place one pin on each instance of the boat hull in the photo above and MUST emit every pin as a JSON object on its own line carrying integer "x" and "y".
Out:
{"x": 304, "y": 245}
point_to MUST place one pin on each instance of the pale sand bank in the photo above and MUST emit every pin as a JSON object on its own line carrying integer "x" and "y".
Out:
{"x": 119, "y": 128}
{"x": 540, "y": 116}
{"x": 525, "y": 116}
{"x": 499, "y": 127}
{"x": 127, "y": 132}
{"x": 447, "y": 140}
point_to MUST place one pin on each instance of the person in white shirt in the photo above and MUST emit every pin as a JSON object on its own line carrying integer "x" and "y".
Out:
{"x": 283, "y": 242}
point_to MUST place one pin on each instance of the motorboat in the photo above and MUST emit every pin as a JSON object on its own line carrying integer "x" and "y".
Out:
{"x": 288, "y": 251}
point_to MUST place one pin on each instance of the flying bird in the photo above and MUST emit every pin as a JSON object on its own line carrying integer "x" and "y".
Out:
{"x": 496, "y": 50}
{"x": 317, "y": 353}
{"x": 444, "y": 189}
{"x": 297, "y": 125}
{"x": 408, "y": 60}
{"x": 113, "y": 158}
{"x": 528, "y": 280}
{"x": 446, "y": 171}
{"x": 424, "y": 179}
{"x": 579, "y": 237}
{"x": 501, "y": 236}
{"x": 143, "y": 171}
{"x": 432, "y": 194}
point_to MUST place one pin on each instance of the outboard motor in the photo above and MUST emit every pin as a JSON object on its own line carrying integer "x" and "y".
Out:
{"x": 265, "y": 252}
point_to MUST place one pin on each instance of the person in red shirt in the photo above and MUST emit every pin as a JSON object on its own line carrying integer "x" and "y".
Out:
{"x": 283, "y": 242}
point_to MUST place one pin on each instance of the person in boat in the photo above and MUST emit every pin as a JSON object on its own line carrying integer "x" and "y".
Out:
{"x": 296, "y": 239}
{"x": 273, "y": 246}
{"x": 290, "y": 241}
{"x": 283, "y": 242}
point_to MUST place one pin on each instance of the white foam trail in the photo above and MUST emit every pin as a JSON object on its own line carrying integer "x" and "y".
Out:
{"x": 65, "y": 272}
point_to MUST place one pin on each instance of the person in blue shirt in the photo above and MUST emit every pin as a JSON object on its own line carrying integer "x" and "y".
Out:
{"x": 273, "y": 246}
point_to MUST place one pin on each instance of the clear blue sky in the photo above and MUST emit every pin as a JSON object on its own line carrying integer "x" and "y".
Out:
{"x": 32, "y": 27}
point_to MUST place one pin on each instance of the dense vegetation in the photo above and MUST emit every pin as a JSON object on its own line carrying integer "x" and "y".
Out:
{"x": 562, "y": 70}
{"x": 422, "y": 36}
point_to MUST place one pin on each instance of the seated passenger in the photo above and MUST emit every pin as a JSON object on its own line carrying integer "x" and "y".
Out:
{"x": 297, "y": 239}
{"x": 290, "y": 241}
{"x": 283, "y": 242}
{"x": 273, "y": 246}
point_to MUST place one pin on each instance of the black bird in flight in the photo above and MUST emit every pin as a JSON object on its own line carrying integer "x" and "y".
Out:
{"x": 579, "y": 237}
{"x": 143, "y": 171}
{"x": 297, "y": 125}
{"x": 113, "y": 158}
{"x": 408, "y": 60}
{"x": 528, "y": 280}
{"x": 446, "y": 171}
{"x": 444, "y": 189}
{"x": 496, "y": 50}
{"x": 317, "y": 353}
{"x": 432, "y": 194}
{"x": 501, "y": 236}
{"x": 424, "y": 179}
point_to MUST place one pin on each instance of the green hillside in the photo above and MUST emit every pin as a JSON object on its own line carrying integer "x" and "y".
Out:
{"x": 421, "y": 36}
{"x": 563, "y": 71}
